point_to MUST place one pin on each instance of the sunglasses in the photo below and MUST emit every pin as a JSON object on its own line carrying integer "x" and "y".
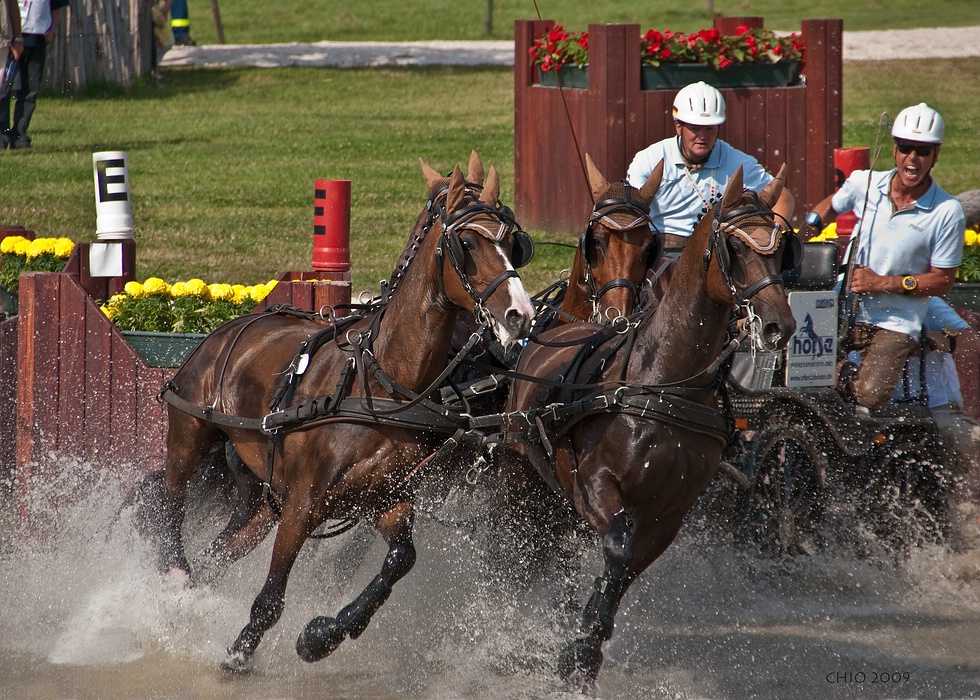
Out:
{"x": 921, "y": 151}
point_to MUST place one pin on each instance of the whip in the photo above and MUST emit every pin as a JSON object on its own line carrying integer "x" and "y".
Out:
{"x": 848, "y": 299}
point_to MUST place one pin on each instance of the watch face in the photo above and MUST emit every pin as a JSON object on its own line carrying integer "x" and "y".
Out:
{"x": 909, "y": 283}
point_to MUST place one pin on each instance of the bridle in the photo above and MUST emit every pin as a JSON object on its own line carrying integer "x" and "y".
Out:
{"x": 602, "y": 213}
{"x": 450, "y": 247}
{"x": 728, "y": 223}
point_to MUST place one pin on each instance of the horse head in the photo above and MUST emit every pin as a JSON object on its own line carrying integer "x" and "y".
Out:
{"x": 746, "y": 252}
{"x": 615, "y": 250}
{"x": 479, "y": 247}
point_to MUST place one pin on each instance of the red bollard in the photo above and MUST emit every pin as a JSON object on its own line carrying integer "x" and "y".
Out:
{"x": 846, "y": 161}
{"x": 331, "y": 225}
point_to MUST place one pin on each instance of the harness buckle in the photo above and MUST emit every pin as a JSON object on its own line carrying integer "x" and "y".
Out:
{"x": 266, "y": 428}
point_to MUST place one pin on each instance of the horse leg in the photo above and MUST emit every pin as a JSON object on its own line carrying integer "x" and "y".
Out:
{"x": 188, "y": 443}
{"x": 296, "y": 526}
{"x": 323, "y": 635}
{"x": 580, "y": 661}
{"x": 250, "y": 522}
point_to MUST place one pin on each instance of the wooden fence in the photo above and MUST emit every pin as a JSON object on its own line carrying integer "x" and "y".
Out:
{"x": 72, "y": 386}
{"x": 613, "y": 119}
{"x": 101, "y": 41}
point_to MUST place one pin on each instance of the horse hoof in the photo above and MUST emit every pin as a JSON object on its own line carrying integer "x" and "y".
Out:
{"x": 319, "y": 639}
{"x": 177, "y": 579}
{"x": 238, "y": 662}
{"x": 579, "y": 663}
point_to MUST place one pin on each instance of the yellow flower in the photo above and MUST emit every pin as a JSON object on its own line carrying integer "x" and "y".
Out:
{"x": 10, "y": 244}
{"x": 63, "y": 247}
{"x": 154, "y": 286}
{"x": 21, "y": 246}
{"x": 135, "y": 290}
{"x": 151, "y": 306}
{"x": 197, "y": 287}
{"x": 260, "y": 291}
{"x": 971, "y": 237}
{"x": 221, "y": 292}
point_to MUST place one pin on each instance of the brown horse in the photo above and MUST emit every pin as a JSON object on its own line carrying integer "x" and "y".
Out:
{"x": 610, "y": 266}
{"x": 350, "y": 428}
{"x": 631, "y": 436}
{"x": 614, "y": 251}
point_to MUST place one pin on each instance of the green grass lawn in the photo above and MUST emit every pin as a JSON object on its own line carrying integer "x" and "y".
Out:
{"x": 222, "y": 162}
{"x": 265, "y": 22}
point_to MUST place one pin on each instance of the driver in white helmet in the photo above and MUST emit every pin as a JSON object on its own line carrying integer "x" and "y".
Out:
{"x": 909, "y": 243}
{"x": 697, "y": 167}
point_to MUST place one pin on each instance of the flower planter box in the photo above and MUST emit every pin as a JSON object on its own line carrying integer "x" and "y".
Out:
{"x": 965, "y": 295}
{"x": 672, "y": 76}
{"x": 570, "y": 77}
{"x": 163, "y": 349}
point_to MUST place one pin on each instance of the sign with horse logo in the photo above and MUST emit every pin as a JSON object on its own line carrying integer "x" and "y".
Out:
{"x": 811, "y": 356}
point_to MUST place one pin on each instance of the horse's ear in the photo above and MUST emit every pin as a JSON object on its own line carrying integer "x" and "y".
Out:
{"x": 457, "y": 190}
{"x": 474, "y": 172}
{"x": 431, "y": 175}
{"x": 770, "y": 195}
{"x": 650, "y": 187}
{"x": 597, "y": 180}
{"x": 491, "y": 190}
{"x": 733, "y": 193}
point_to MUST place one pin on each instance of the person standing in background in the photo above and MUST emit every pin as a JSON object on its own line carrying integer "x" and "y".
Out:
{"x": 180, "y": 23}
{"x": 39, "y": 21}
{"x": 11, "y": 43}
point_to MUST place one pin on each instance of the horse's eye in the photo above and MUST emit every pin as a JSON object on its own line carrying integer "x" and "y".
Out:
{"x": 467, "y": 244}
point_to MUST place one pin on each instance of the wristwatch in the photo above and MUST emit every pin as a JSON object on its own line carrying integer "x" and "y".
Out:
{"x": 909, "y": 283}
{"x": 813, "y": 219}
{"x": 951, "y": 334}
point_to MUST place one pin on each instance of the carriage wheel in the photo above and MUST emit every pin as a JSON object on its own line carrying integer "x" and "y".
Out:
{"x": 904, "y": 497}
{"x": 783, "y": 512}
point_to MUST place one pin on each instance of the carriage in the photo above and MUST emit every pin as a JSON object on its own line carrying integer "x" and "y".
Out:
{"x": 809, "y": 470}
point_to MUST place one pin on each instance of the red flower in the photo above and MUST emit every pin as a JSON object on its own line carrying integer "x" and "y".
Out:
{"x": 707, "y": 46}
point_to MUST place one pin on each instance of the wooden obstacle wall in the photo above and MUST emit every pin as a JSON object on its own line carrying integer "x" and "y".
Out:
{"x": 72, "y": 386}
{"x": 613, "y": 119}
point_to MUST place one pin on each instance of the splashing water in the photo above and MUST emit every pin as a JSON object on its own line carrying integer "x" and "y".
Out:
{"x": 87, "y": 615}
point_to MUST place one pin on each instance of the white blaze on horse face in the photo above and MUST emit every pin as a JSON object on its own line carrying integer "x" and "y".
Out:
{"x": 517, "y": 317}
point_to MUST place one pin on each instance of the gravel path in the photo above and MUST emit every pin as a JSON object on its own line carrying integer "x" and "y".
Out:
{"x": 940, "y": 42}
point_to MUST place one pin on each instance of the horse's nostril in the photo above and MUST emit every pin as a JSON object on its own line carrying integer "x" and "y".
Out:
{"x": 773, "y": 333}
{"x": 517, "y": 322}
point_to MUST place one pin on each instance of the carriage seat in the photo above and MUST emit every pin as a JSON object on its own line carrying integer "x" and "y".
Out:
{"x": 818, "y": 269}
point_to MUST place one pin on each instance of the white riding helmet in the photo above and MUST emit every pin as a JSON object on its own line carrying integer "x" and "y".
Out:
{"x": 919, "y": 123}
{"x": 699, "y": 104}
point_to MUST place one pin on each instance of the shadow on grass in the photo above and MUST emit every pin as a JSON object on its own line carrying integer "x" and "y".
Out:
{"x": 173, "y": 82}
